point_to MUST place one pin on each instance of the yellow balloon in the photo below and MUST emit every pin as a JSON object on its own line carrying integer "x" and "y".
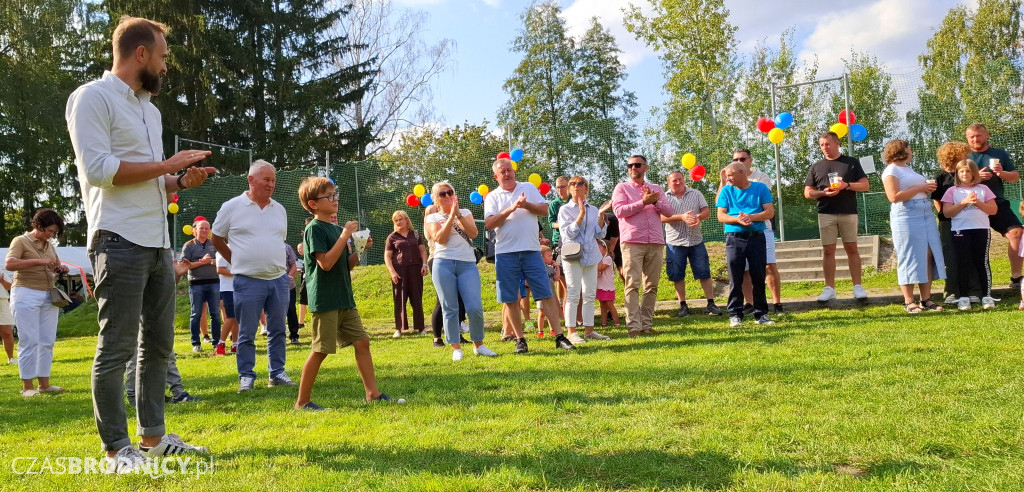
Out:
{"x": 187, "y": 229}
{"x": 776, "y": 135}
{"x": 839, "y": 129}
{"x": 535, "y": 179}
{"x": 419, "y": 190}
{"x": 689, "y": 160}
{"x": 515, "y": 166}
{"x": 482, "y": 189}
{"x": 172, "y": 208}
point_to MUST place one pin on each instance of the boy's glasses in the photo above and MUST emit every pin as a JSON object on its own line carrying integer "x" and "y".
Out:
{"x": 331, "y": 197}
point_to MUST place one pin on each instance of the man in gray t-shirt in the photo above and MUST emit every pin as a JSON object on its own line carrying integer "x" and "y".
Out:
{"x": 685, "y": 242}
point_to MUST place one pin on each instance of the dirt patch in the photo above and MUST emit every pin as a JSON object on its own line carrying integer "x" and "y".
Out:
{"x": 851, "y": 470}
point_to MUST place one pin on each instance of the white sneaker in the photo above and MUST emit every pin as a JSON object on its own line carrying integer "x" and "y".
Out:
{"x": 735, "y": 321}
{"x": 988, "y": 303}
{"x": 596, "y": 336}
{"x": 952, "y": 299}
{"x": 457, "y": 355}
{"x": 398, "y": 334}
{"x": 484, "y": 351}
{"x": 127, "y": 460}
{"x": 12, "y": 361}
{"x": 764, "y": 320}
{"x": 464, "y": 327}
{"x": 575, "y": 338}
{"x": 263, "y": 330}
{"x": 171, "y": 445}
{"x": 859, "y": 292}
{"x": 827, "y": 294}
{"x": 964, "y": 304}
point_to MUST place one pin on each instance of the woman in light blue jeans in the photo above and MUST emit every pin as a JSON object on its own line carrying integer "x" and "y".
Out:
{"x": 915, "y": 235}
{"x": 583, "y": 223}
{"x": 454, "y": 271}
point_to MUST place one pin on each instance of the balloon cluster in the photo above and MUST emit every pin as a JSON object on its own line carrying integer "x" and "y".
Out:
{"x": 173, "y": 206}
{"x": 515, "y": 156}
{"x": 697, "y": 171}
{"x": 419, "y": 196}
{"x": 847, "y": 124}
{"x": 775, "y": 127}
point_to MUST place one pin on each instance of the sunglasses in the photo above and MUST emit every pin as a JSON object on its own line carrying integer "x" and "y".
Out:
{"x": 635, "y": 165}
{"x": 577, "y": 183}
{"x": 443, "y": 194}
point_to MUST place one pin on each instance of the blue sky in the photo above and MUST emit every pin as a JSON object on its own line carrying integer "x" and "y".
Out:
{"x": 895, "y": 31}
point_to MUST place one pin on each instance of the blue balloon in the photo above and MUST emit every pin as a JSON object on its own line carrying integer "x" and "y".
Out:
{"x": 426, "y": 200}
{"x": 516, "y": 155}
{"x": 783, "y": 121}
{"x": 858, "y": 132}
{"x": 476, "y": 198}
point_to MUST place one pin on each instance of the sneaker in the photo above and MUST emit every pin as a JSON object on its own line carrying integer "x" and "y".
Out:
{"x": 764, "y": 320}
{"x": 988, "y": 303}
{"x": 263, "y": 330}
{"x": 12, "y": 361}
{"x": 398, "y": 334}
{"x": 171, "y": 445}
{"x": 294, "y": 340}
{"x": 859, "y": 293}
{"x": 684, "y": 311}
{"x": 220, "y": 350}
{"x": 827, "y": 294}
{"x": 280, "y": 380}
{"x": 384, "y": 398}
{"x": 540, "y": 333}
{"x": 521, "y": 347}
{"x": 975, "y": 300}
{"x": 1021, "y": 305}
{"x": 439, "y": 343}
{"x": 127, "y": 460}
{"x": 484, "y": 351}
{"x": 52, "y": 390}
{"x": 464, "y": 327}
{"x": 575, "y": 338}
{"x": 748, "y": 309}
{"x": 951, "y": 299}
{"x": 735, "y": 321}
{"x": 245, "y": 383}
{"x": 778, "y": 309}
{"x": 1015, "y": 282}
{"x": 197, "y": 349}
{"x": 312, "y": 407}
{"x": 457, "y": 355}
{"x": 964, "y": 304}
{"x": 596, "y": 336}
{"x": 29, "y": 393}
{"x": 207, "y": 339}
{"x": 234, "y": 349}
{"x": 563, "y": 343}
{"x": 508, "y": 338}
{"x": 712, "y": 310}
{"x": 184, "y": 397}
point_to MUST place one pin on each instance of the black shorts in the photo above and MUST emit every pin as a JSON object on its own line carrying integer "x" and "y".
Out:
{"x": 1004, "y": 218}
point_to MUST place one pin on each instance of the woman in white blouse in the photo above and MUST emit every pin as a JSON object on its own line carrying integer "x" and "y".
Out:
{"x": 581, "y": 223}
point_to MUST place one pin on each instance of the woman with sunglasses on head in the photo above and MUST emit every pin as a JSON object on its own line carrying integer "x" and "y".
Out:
{"x": 35, "y": 265}
{"x": 454, "y": 271}
{"x": 581, "y": 223}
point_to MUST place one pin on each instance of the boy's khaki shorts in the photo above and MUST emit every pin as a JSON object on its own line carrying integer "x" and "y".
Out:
{"x": 332, "y": 327}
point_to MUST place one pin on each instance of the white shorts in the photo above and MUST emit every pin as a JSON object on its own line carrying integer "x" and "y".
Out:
{"x": 769, "y": 248}
{"x": 6, "y": 318}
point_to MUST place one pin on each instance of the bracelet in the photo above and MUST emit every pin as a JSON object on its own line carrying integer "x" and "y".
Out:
{"x": 181, "y": 185}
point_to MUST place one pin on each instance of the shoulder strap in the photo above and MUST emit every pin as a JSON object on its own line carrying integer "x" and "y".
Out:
{"x": 455, "y": 225}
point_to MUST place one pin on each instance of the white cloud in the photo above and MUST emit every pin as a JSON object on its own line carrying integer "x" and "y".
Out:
{"x": 609, "y": 13}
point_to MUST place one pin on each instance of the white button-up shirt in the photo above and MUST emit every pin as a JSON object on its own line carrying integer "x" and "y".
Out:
{"x": 255, "y": 236}
{"x": 109, "y": 125}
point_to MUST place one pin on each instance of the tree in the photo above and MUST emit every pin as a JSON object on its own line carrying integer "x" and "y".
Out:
{"x": 399, "y": 95}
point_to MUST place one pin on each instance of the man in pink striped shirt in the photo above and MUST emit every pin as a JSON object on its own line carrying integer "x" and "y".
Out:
{"x": 639, "y": 206}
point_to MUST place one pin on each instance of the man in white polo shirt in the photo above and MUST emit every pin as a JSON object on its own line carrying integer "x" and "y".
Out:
{"x": 256, "y": 225}
{"x": 117, "y": 137}
{"x": 511, "y": 211}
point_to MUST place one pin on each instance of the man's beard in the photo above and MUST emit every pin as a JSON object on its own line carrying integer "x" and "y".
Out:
{"x": 150, "y": 81}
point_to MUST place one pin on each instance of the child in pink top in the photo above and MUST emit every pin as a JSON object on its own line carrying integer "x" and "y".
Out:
{"x": 969, "y": 204}
{"x": 606, "y": 285}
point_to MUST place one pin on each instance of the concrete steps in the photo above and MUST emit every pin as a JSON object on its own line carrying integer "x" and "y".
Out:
{"x": 801, "y": 261}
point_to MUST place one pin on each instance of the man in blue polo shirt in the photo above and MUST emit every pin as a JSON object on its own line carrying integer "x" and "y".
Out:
{"x": 743, "y": 207}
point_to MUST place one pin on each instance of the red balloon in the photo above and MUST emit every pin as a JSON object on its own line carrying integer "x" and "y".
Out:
{"x": 544, "y": 188}
{"x": 765, "y": 124}
{"x": 842, "y": 117}
{"x": 697, "y": 173}
{"x": 412, "y": 200}
{"x": 504, "y": 155}
{"x": 174, "y": 198}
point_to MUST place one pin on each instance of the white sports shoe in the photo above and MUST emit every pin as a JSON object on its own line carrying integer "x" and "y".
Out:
{"x": 827, "y": 294}
{"x": 988, "y": 303}
{"x": 127, "y": 460}
{"x": 952, "y": 299}
{"x": 457, "y": 355}
{"x": 575, "y": 338}
{"x": 398, "y": 334}
{"x": 964, "y": 304}
{"x": 172, "y": 444}
{"x": 484, "y": 351}
{"x": 464, "y": 327}
{"x": 597, "y": 336}
{"x": 859, "y": 292}
{"x": 735, "y": 321}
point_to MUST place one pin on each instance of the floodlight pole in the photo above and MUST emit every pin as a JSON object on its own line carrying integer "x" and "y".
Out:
{"x": 778, "y": 177}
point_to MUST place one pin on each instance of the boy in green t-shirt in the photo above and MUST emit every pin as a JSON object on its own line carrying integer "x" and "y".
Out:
{"x": 335, "y": 318}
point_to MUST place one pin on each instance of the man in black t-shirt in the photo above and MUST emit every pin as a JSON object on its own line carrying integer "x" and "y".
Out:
{"x": 996, "y": 168}
{"x": 837, "y": 210}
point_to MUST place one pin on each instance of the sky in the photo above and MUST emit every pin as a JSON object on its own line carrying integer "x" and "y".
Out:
{"x": 894, "y": 31}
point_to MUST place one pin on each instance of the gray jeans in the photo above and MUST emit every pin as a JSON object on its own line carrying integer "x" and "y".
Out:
{"x": 173, "y": 376}
{"x": 135, "y": 294}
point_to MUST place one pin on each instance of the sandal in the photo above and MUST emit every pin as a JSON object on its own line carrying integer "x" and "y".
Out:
{"x": 912, "y": 308}
{"x": 931, "y": 305}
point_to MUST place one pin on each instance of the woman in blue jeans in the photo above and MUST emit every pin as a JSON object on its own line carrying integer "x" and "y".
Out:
{"x": 454, "y": 271}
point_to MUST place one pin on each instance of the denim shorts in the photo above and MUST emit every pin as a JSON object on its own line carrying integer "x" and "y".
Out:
{"x": 511, "y": 268}
{"x": 676, "y": 258}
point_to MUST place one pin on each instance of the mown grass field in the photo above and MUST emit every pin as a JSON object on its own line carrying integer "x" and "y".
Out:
{"x": 851, "y": 399}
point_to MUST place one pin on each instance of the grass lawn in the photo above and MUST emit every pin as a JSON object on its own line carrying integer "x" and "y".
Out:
{"x": 857, "y": 399}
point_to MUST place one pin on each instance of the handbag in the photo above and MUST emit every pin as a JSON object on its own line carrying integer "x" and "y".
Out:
{"x": 58, "y": 298}
{"x": 571, "y": 251}
{"x": 476, "y": 251}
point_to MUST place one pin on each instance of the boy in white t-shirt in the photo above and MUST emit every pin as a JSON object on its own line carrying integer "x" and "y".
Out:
{"x": 969, "y": 204}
